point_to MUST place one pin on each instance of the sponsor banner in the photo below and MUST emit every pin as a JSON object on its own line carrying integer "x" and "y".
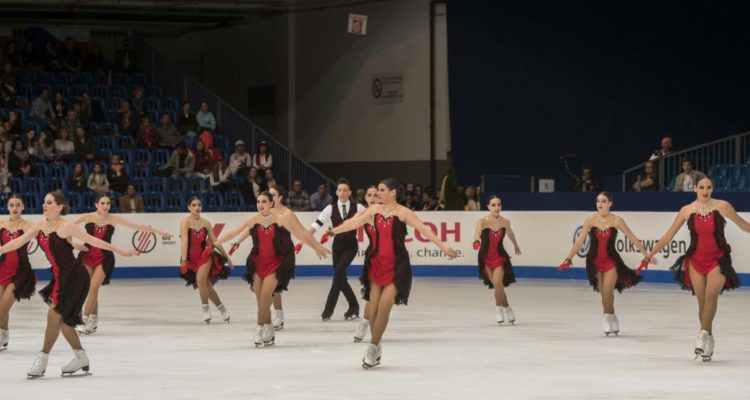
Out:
{"x": 544, "y": 237}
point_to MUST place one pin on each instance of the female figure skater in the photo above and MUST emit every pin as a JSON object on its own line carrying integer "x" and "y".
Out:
{"x": 371, "y": 197}
{"x": 67, "y": 290}
{"x": 494, "y": 262}
{"x": 604, "y": 266}
{"x": 200, "y": 266}
{"x": 270, "y": 264}
{"x": 706, "y": 267}
{"x": 387, "y": 274}
{"x": 17, "y": 279}
{"x": 100, "y": 263}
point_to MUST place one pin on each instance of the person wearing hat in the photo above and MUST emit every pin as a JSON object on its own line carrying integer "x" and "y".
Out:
{"x": 240, "y": 160}
{"x": 262, "y": 160}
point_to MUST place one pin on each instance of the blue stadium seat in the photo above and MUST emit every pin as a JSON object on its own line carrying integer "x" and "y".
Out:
{"x": 42, "y": 77}
{"x": 60, "y": 170}
{"x": 105, "y": 143}
{"x": 32, "y": 125}
{"x": 157, "y": 185}
{"x": 117, "y": 91}
{"x": 99, "y": 91}
{"x": 64, "y": 89}
{"x": 41, "y": 169}
{"x": 153, "y": 103}
{"x": 160, "y": 156}
{"x": 233, "y": 201}
{"x": 212, "y": 201}
{"x": 125, "y": 142}
{"x": 36, "y": 185}
{"x": 77, "y": 90}
{"x": 140, "y": 171}
{"x": 81, "y": 79}
{"x": 143, "y": 156}
{"x": 154, "y": 202}
{"x": 112, "y": 104}
{"x": 175, "y": 202}
{"x": 141, "y": 185}
{"x": 196, "y": 184}
{"x": 120, "y": 79}
{"x": 61, "y": 78}
{"x": 176, "y": 184}
{"x": 137, "y": 79}
{"x": 58, "y": 183}
{"x": 32, "y": 203}
{"x": 27, "y": 89}
{"x": 17, "y": 185}
{"x": 75, "y": 201}
{"x": 153, "y": 91}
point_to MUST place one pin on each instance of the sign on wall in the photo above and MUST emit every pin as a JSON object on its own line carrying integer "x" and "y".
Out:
{"x": 357, "y": 24}
{"x": 387, "y": 88}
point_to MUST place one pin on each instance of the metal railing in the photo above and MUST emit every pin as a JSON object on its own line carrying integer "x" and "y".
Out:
{"x": 174, "y": 82}
{"x": 730, "y": 150}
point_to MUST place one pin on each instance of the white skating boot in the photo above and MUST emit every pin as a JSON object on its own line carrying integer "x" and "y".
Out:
{"x": 278, "y": 320}
{"x": 499, "y": 315}
{"x": 39, "y": 367}
{"x": 91, "y": 324}
{"x": 79, "y": 363}
{"x": 372, "y": 356}
{"x": 704, "y": 346}
{"x": 361, "y": 332}
{"x": 510, "y": 317}
{"x": 607, "y": 324}
{"x": 269, "y": 335}
{"x": 224, "y": 313}
{"x": 81, "y": 329}
{"x": 615, "y": 324}
{"x": 259, "y": 335}
{"x": 206, "y": 313}
{"x": 4, "y": 337}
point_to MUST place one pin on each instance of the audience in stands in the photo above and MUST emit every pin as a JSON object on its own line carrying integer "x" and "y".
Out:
{"x": 685, "y": 182}
{"x": 64, "y": 148}
{"x": 44, "y": 148}
{"x": 139, "y": 102}
{"x": 251, "y": 186}
{"x": 649, "y": 182}
{"x": 207, "y": 138}
{"x": 77, "y": 181}
{"x": 410, "y": 203}
{"x": 50, "y": 58}
{"x": 240, "y": 160}
{"x": 29, "y": 141}
{"x": 429, "y": 203}
{"x": 4, "y": 176}
{"x": 321, "y": 198}
{"x": 472, "y": 199}
{"x": 269, "y": 178}
{"x": 117, "y": 175}
{"x": 59, "y": 107}
{"x": 169, "y": 136}
{"x": 9, "y": 87}
{"x": 586, "y": 182}
{"x": 664, "y": 150}
{"x": 127, "y": 119}
{"x": 85, "y": 148}
{"x": 13, "y": 125}
{"x": 219, "y": 177}
{"x": 147, "y": 136}
{"x": 77, "y": 109}
{"x": 125, "y": 58}
{"x": 297, "y": 199}
{"x": 13, "y": 56}
{"x": 186, "y": 123}
{"x": 41, "y": 108}
{"x": 131, "y": 202}
{"x": 97, "y": 180}
{"x": 70, "y": 122}
{"x": 181, "y": 163}
{"x": 262, "y": 159}
{"x": 205, "y": 118}
{"x": 94, "y": 61}
{"x": 18, "y": 159}
{"x": 203, "y": 160}
{"x": 91, "y": 109}
{"x": 71, "y": 57}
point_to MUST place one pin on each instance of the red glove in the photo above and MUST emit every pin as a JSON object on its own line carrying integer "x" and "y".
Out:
{"x": 297, "y": 248}
{"x": 476, "y": 245}
{"x": 325, "y": 238}
{"x": 644, "y": 265}
{"x": 233, "y": 248}
{"x": 183, "y": 269}
{"x": 565, "y": 265}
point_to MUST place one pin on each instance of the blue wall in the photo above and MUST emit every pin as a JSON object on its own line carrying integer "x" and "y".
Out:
{"x": 532, "y": 80}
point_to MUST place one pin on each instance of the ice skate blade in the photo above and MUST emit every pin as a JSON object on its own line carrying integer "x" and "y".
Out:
{"x": 227, "y": 320}
{"x": 352, "y": 317}
{"x": 698, "y": 352}
{"x": 4, "y": 347}
{"x": 278, "y": 328}
{"x": 269, "y": 344}
{"x": 258, "y": 344}
{"x": 207, "y": 321}
{"x": 30, "y": 377}
{"x": 77, "y": 373}
{"x": 368, "y": 366}
{"x": 706, "y": 358}
{"x": 357, "y": 340}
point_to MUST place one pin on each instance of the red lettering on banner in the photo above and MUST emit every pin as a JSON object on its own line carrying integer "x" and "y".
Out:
{"x": 423, "y": 239}
{"x": 217, "y": 229}
{"x": 444, "y": 231}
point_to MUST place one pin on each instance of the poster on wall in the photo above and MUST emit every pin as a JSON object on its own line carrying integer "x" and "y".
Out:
{"x": 387, "y": 88}
{"x": 357, "y": 24}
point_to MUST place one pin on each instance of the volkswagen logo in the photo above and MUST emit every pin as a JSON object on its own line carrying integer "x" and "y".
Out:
{"x": 144, "y": 242}
{"x": 585, "y": 248}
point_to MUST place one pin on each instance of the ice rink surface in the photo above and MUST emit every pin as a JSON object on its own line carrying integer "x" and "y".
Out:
{"x": 152, "y": 344}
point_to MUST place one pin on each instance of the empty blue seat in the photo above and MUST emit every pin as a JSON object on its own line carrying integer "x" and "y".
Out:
{"x": 41, "y": 169}
{"x": 75, "y": 201}
{"x": 176, "y": 184}
{"x": 17, "y": 185}
{"x": 112, "y": 104}
{"x": 140, "y": 171}
{"x": 153, "y": 103}
{"x": 99, "y": 91}
{"x": 154, "y": 202}
{"x": 117, "y": 91}
{"x": 196, "y": 184}
{"x": 61, "y": 78}
{"x": 32, "y": 203}
{"x": 57, "y": 183}
{"x": 32, "y": 125}
{"x": 120, "y": 79}
{"x": 157, "y": 185}
{"x": 105, "y": 143}
{"x": 36, "y": 185}
{"x": 175, "y": 202}
{"x": 60, "y": 170}
{"x": 160, "y": 156}
{"x": 212, "y": 201}
{"x": 42, "y": 77}
{"x": 153, "y": 91}
{"x": 143, "y": 156}
{"x": 141, "y": 185}
{"x": 137, "y": 79}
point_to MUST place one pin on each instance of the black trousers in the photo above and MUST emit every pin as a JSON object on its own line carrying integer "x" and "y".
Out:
{"x": 343, "y": 255}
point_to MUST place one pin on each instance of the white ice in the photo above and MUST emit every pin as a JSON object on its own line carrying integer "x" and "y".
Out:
{"x": 152, "y": 344}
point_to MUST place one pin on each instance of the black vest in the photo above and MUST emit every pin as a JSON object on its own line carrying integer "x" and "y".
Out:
{"x": 337, "y": 220}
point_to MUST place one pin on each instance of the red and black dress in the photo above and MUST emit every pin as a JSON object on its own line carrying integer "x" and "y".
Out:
{"x": 198, "y": 256}
{"x": 272, "y": 253}
{"x": 15, "y": 267}
{"x": 95, "y": 256}
{"x": 492, "y": 255}
{"x": 603, "y": 257}
{"x": 708, "y": 250}
{"x": 69, "y": 286}
{"x": 388, "y": 261}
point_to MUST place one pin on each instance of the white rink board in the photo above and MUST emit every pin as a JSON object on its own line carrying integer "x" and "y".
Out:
{"x": 544, "y": 237}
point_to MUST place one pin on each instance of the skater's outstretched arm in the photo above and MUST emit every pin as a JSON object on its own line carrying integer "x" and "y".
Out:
{"x": 69, "y": 230}
{"x": 218, "y": 246}
{"x": 23, "y": 239}
{"x": 621, "y": 225}
{"x": 81, "y": 218}
{"x": 581, "y": 239}
{"x": 358, "y": 220}
{"x": 118, "y": 220}
{"x": 728, "y": 211}
{"x": 512, "y": 237}
{"x": 410, "y": 217}
{"x": 245, "y": 225}
{"x": 682, "y": 216}
{"x": 184, "y": 240}
{"x": 292, "y": 224}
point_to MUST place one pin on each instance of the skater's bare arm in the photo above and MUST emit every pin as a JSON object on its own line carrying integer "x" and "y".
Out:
{"x": 81, "y": 219}
{"x": 184, "y": 240}
{"x": 621, "y": 225}
{"x": 512, "y": 237}
{"x": 581, "y": 239}
{"x": 410, "y": 217}
{"x": 356, "y": 221}
{"x": 478, "y": 230}
{"x": 728, "y": 211}
{"x": 292, "y": 224}
{"x": 676, "y": 225}
{"x": 118, "y": 220}
{"x": 72, "y": 230}
{"x": 248, "y": 223}
{"x": 21, "y": 240}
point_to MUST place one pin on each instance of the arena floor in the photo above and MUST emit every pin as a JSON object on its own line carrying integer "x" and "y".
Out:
{"x": 151, "y": 344}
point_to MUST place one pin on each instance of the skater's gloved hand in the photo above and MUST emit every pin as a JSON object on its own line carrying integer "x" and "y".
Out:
{"x": 565, "y": 265}
{"x": 476, "y": 245}
{"x": 297, "y": 248}
{"x": 325, "y": 238}
{"x": 183, "y": 269}
{"x": 233, "y": 248}
{"x": 644, "y": 265}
